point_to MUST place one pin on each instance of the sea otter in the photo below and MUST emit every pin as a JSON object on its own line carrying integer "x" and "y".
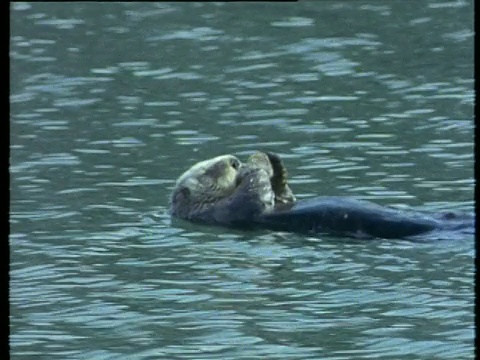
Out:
{"x": 255, "y": 194}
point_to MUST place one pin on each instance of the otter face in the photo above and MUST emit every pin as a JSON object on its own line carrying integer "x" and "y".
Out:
{"x": 223, "y": 190}
{"x": 207, "y": 181}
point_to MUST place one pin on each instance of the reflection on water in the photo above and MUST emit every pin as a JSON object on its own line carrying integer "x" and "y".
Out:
{"x": 111, "y": 102}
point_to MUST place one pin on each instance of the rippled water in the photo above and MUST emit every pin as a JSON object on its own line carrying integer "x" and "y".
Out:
{"x": 111, "y": 102}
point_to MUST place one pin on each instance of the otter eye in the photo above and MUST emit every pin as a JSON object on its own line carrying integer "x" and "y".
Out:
{"x": 235, "y": 164}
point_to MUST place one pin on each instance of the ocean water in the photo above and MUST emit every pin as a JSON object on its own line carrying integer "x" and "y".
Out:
{"x": 111, "y": 102}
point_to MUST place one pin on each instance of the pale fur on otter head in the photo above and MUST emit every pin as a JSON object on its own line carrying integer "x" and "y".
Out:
{"x": 207, "y": 181}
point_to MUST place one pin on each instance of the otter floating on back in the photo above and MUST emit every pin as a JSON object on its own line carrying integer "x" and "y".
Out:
{"x": 225, "y": 191}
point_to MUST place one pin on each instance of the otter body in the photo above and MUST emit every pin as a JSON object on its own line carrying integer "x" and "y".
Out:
{"x": 255, "y": 194}
{"x": 360, "y": 219}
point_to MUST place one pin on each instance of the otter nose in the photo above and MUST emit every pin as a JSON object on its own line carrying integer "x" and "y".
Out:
{"x": 235, "y": 163}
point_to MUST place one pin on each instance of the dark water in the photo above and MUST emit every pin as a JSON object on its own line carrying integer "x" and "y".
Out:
{"x": 111, "y": 102}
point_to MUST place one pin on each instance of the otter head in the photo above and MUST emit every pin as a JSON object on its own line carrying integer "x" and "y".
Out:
{"x": 205, "y": 183}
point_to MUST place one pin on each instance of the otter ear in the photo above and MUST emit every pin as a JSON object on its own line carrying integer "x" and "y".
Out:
{"x": 182, "y": 194}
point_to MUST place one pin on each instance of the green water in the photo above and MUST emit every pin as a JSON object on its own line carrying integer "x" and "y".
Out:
{"x": 110, "y": 103}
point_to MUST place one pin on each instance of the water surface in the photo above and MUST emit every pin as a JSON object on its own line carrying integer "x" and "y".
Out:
{"x": 110, "y": 103}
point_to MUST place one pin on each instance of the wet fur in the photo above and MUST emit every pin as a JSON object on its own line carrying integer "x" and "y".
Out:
{"x": 222, "y": 190}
